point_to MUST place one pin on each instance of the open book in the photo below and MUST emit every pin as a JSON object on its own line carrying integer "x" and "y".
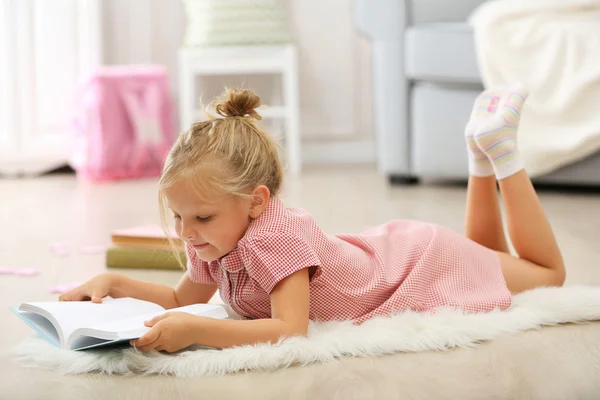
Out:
{"x": 79, "y": 325}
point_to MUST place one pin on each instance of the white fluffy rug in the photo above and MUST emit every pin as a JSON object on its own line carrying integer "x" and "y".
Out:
{"x": 406, "y": 332}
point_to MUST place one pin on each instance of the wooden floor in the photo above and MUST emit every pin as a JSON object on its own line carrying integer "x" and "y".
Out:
{"x": 38, "y": 212}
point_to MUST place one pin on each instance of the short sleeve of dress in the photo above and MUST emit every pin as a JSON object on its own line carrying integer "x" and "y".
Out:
{"x": 197, "y": 269}
{"x": 275, "y": 256}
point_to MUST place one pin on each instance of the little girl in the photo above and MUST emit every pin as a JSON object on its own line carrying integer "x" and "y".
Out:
{"x": 275, "y": 267}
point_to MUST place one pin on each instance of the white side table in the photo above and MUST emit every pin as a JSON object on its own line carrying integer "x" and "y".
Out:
{"x": 230, "y": 60}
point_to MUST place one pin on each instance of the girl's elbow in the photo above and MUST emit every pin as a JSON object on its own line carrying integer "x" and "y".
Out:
{"x": 302, "y": 332}
{"x": 297, "y": 330}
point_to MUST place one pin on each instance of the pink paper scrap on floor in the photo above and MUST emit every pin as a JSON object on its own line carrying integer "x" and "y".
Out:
{"x": 59, "y": 249}
{"x": 65, "y": 287}
{"x": 93, "y": 249}
{"x": 6, "y": 271}
{"x": 27, "y": 272}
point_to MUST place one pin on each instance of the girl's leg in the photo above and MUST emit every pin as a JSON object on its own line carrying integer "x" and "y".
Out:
{"x": 540, "y": 262}
{"x": 483, "y": 220}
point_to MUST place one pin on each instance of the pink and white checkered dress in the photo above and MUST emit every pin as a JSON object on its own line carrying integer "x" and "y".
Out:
{"x": 400, "y": 265}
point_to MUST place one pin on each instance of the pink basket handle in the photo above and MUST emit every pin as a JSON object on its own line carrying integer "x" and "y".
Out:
{"x": 143, "y": 112}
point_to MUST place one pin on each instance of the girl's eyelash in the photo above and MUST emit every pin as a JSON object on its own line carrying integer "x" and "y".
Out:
{"x": 201, "y": 219}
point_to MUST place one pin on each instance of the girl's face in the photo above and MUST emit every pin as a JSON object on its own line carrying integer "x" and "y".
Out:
{"x": 212, "y": 228}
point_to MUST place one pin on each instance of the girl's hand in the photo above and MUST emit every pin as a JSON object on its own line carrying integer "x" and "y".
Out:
{"x": 94, "y": 289}
{"x": 170, "y": 332}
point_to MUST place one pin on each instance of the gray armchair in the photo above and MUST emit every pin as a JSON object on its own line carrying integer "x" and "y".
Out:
{"x": 425, "y": 79}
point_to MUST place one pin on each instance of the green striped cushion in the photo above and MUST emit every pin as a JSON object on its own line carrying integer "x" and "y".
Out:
{"x": 235, "y": 22}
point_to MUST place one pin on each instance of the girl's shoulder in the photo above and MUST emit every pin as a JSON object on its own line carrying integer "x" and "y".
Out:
{"x": 277, "y": 220}
{"x": 279, "y": 242}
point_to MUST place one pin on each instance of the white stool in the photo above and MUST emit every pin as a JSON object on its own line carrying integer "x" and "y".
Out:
{"x": 194, "y": 62}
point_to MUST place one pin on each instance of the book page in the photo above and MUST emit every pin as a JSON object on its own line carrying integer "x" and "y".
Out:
{"x": 145, "y": 231}
{"x": 133, "y": 327}
{"x": 72, "y": 315}
{"x": 41, "y": 325}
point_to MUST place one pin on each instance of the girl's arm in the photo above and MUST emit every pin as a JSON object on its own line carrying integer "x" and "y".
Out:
{"x": 186, "y": 292}
{"x": 290, "y": 301}
{"x": 289, "y": 317}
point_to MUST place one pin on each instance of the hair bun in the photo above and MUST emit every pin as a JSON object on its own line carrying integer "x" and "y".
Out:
{"x": 239, "y": 103}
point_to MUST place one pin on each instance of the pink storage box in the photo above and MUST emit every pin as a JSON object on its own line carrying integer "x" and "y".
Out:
{"x": 124, "y": 124}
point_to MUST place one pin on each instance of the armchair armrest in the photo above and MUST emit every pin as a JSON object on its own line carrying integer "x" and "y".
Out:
{"x": 381, "y": 20}
{"x": 431, "y": 11}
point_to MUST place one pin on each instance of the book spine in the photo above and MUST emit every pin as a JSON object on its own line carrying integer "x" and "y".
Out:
{"x": 141, "y": 258}
{"x": 146, "y": 243}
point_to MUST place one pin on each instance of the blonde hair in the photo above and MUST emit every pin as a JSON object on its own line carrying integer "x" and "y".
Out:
{"x": 227, "y": 155}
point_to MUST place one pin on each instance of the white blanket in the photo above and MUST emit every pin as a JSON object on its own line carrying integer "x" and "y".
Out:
{"x": 552, "y": 47}
{"x": 406, "y": 332}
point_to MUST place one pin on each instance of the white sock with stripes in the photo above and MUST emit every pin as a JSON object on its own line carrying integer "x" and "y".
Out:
{"x": 484, "y": 108}
{"x": 497, "y": 136}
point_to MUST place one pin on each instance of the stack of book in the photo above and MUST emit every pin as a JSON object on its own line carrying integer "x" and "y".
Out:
{"x": 144, "y": 247}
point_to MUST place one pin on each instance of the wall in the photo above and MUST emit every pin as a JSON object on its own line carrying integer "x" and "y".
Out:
{"x": 334, "y": 67}
{"x": 45, "y": 48}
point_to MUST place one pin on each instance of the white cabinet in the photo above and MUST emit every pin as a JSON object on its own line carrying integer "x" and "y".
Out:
{"x": 46, "y": 47}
